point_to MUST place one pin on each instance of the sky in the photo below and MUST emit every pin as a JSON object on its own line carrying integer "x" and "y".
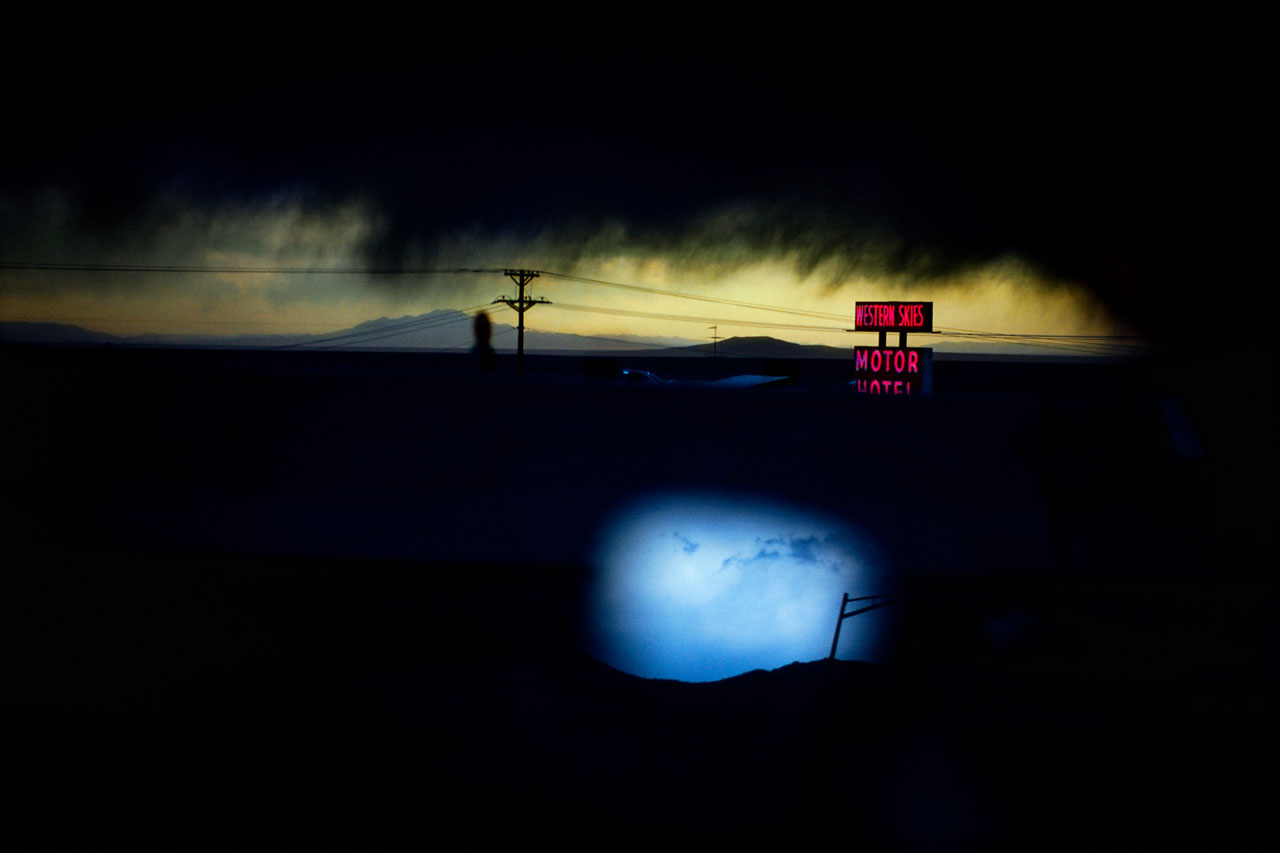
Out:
{"x": 1070, "y": 178}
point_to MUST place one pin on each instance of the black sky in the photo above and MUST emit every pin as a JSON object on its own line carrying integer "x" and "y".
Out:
{"x": 1131, "y": 156}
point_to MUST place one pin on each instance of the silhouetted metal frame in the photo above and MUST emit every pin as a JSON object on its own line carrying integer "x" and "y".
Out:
{"x": 844, "y": 602}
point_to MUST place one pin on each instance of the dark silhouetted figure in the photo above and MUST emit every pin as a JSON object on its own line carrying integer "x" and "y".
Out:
{"x": 485, "y": 356}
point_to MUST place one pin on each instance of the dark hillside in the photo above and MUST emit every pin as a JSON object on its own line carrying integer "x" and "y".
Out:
{"x": 339, "y": 598}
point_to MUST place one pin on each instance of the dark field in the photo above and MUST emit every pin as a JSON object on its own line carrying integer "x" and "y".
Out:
{"x": 332, "y": 598}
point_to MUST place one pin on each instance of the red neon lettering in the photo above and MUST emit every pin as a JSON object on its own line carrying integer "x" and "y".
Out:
{"x": 889, "y": 315}
{"x": 895, "y": 388}
{"x": 899, "y": 361}
{"x": 875, "y": 361}
{"x": 913, "y": 362}
{"x": 860, "y": 359}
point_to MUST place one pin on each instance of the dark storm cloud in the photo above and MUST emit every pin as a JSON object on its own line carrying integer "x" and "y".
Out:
{"x": 662, "y": 126}
{"x": 284, "y": 231}
{"x": 703, "y": 246}
{"x": 1110, "y": 157}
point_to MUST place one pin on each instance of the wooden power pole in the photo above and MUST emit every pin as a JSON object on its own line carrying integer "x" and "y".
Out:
{"x": 521, "y": 304}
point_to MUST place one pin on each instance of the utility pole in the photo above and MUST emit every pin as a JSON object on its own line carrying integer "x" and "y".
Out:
{"x": 520, "y": 305}
{"x": 714, "y": 338}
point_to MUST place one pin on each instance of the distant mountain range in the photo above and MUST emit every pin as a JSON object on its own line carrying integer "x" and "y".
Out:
{"x": 445, "y": 330}
{"x": 438, "y": 330}
{"x": 441, "y": 330}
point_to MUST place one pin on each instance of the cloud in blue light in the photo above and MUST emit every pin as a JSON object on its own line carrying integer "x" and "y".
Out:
{"x": 689, "y": 545}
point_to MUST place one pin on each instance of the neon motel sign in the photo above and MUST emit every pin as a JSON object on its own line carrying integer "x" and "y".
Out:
{"x": 893, "y": 371}
{"x": 893, "y": 317}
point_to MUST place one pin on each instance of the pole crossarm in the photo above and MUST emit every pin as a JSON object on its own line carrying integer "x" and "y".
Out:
{"x": 521, "y": 305}
{"x": 877, "y": 601}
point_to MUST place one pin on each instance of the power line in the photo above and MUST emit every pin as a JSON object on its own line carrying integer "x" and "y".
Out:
{"x": 1078, "y": 347}
{"x": 1096, "y": 344}
{"x": 1100, "y": 344}
{"x": 1086, "y": 346}
{"x": 1089, "y": 345}
{"x": 957, "y": 333}
{"x": 686, "y": 318}
{"x": 153, "y": 321}
{"x": 990, "y": 337}
{"x": 183, "y": 268}
{"x": 642, "y": 344}
{"x": 825, "y": 315}
{"x": 416, "y": 324}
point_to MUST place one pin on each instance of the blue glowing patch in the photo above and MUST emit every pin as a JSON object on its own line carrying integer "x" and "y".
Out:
{"x": 702, "y": 587}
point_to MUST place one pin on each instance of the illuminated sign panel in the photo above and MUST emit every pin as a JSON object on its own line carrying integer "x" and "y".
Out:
{"x": 893, "y": 317}
{"x": 895, "y": 372}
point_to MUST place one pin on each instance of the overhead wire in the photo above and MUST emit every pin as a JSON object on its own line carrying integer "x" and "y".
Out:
{"x": 416, "y": 324}
{"x": 641, "y": 345}
{"x": 1020, "y": 340}
{"x": 1072, "y": 348}
{"x": 1096, "y": 344}
{"x": 191, "y": 268}
{"x": 1093, "y": 344}
{"x": 1082, "y": 347}
{"x": 363, "y": 336}
{"x": 825, "y": 315}
{"x": 653, "y": 315}
{"x": 169, "y": 322}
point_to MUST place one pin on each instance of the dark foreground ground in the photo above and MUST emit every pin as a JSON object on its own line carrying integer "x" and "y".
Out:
{"x": 320, "y": 598}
